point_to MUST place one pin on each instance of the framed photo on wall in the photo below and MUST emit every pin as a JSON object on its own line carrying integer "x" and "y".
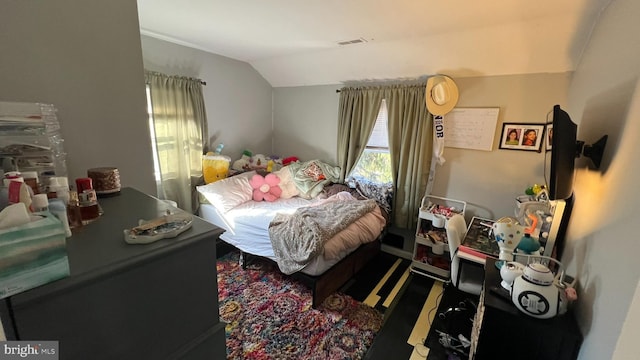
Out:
{"x": 548, "y": 136}
{"x": 522, "y": 136}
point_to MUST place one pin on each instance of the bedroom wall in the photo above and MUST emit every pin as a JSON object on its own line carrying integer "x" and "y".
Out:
{"x": 602, "y": 245}
{"x": 490, "y": 180}
{"x": 487, "y": 180}
{"x": 238, "y": 99}
{"x": 305, "y": 121}
{"x": 83, "y": 57}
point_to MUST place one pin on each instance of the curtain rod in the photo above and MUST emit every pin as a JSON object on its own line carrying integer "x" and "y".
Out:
{"x": 392, "y": 84}
{"x": 202, "y": 82}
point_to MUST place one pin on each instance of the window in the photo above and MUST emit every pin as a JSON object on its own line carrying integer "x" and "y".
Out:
{"x": 156, "y": 164}
{"x": 177, "y": 126}
{"x": 375, "y": 163}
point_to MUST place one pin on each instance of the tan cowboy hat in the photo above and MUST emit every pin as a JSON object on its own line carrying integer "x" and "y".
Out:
{"x": 442, "y": 94}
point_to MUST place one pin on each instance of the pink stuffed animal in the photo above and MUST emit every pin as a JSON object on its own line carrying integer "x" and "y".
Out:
{"x": 265, "y": 188}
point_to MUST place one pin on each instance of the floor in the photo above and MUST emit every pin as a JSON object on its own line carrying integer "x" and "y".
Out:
{"x": 409, "y": 302}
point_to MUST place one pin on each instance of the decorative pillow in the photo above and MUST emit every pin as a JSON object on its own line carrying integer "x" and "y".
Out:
{"x": 314, "y": 172}
{"x": 228, "y": 193}
{"x": 287, "y": 185}
{"x": 265, "y": 188}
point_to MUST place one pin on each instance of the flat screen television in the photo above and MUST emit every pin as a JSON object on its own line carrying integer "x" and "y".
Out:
{"x": 560, "y": 158}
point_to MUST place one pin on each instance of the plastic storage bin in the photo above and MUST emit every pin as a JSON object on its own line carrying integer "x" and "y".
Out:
{"x": 438, "y": 205}
{"x": 215, "y": 167}
{"x": 431, "y": 258}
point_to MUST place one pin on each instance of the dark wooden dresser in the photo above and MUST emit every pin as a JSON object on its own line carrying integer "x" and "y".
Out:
{"x": 501, "y": 331}
{"x": 121, "y": 301}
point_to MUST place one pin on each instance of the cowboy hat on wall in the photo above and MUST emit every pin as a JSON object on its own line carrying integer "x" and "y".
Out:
{"x": 442, "y": 94}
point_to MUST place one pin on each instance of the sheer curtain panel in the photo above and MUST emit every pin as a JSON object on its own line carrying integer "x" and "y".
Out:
{"x": 180, "y": 126}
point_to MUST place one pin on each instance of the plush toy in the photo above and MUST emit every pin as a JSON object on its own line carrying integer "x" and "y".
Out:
{"x": 265, "y": 188}
{"x": 276, "y": 163}
{"x": 215, "y": 167}
{"x": 258, "y": 161}
{"x": 288, "y": 160}
{"x": 242, "y": 164}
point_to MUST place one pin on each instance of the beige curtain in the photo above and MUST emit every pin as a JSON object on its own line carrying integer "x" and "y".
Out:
{"x": 180, "y": 126}
{"x": 411, "y": 147}
{"x": 358, "y": 109}
{"x": 410, "y": 140}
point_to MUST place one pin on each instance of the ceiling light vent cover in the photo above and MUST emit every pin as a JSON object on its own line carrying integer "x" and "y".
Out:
{"x": 351, "y": 42}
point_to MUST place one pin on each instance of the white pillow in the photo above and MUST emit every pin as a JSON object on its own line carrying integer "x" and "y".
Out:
{"x": 287, "y": 185}
{"x": 228, "y": 193}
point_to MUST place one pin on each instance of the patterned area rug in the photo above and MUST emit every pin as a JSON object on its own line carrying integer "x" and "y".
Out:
{"x": 269, "y": 316}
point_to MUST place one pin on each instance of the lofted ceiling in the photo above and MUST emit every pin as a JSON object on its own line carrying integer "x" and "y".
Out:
{"x": 297, "y": 42}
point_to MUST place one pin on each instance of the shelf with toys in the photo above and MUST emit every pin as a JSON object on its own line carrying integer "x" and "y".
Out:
{"x": 431, "y": 250}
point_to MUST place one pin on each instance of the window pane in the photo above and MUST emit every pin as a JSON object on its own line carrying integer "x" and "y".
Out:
{"x": 375, "y": 163}
{"x": 380, "y": 136}
{"x": 375, "y": 166}
{"x": 154, "y": 145}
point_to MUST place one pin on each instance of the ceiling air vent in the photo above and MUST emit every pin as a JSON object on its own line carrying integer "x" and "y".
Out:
{"x": 351, "y": 42}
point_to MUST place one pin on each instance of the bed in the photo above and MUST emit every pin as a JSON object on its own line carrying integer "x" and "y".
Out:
{"x": 320, "y": 237}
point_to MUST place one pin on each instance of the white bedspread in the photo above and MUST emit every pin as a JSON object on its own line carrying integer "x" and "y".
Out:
{"x": 250, "y": 224}
{"x": 247, "y": 228}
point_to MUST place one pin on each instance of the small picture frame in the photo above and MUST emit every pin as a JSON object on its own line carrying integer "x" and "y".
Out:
{"x": 522, "y": 136}
{"x": 548, "y": 136}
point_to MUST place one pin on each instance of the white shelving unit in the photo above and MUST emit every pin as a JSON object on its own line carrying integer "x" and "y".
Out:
{"x": 425, "y": 260}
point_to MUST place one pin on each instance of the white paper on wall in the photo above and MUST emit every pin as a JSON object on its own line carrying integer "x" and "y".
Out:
{"x": 471, "y": 128}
